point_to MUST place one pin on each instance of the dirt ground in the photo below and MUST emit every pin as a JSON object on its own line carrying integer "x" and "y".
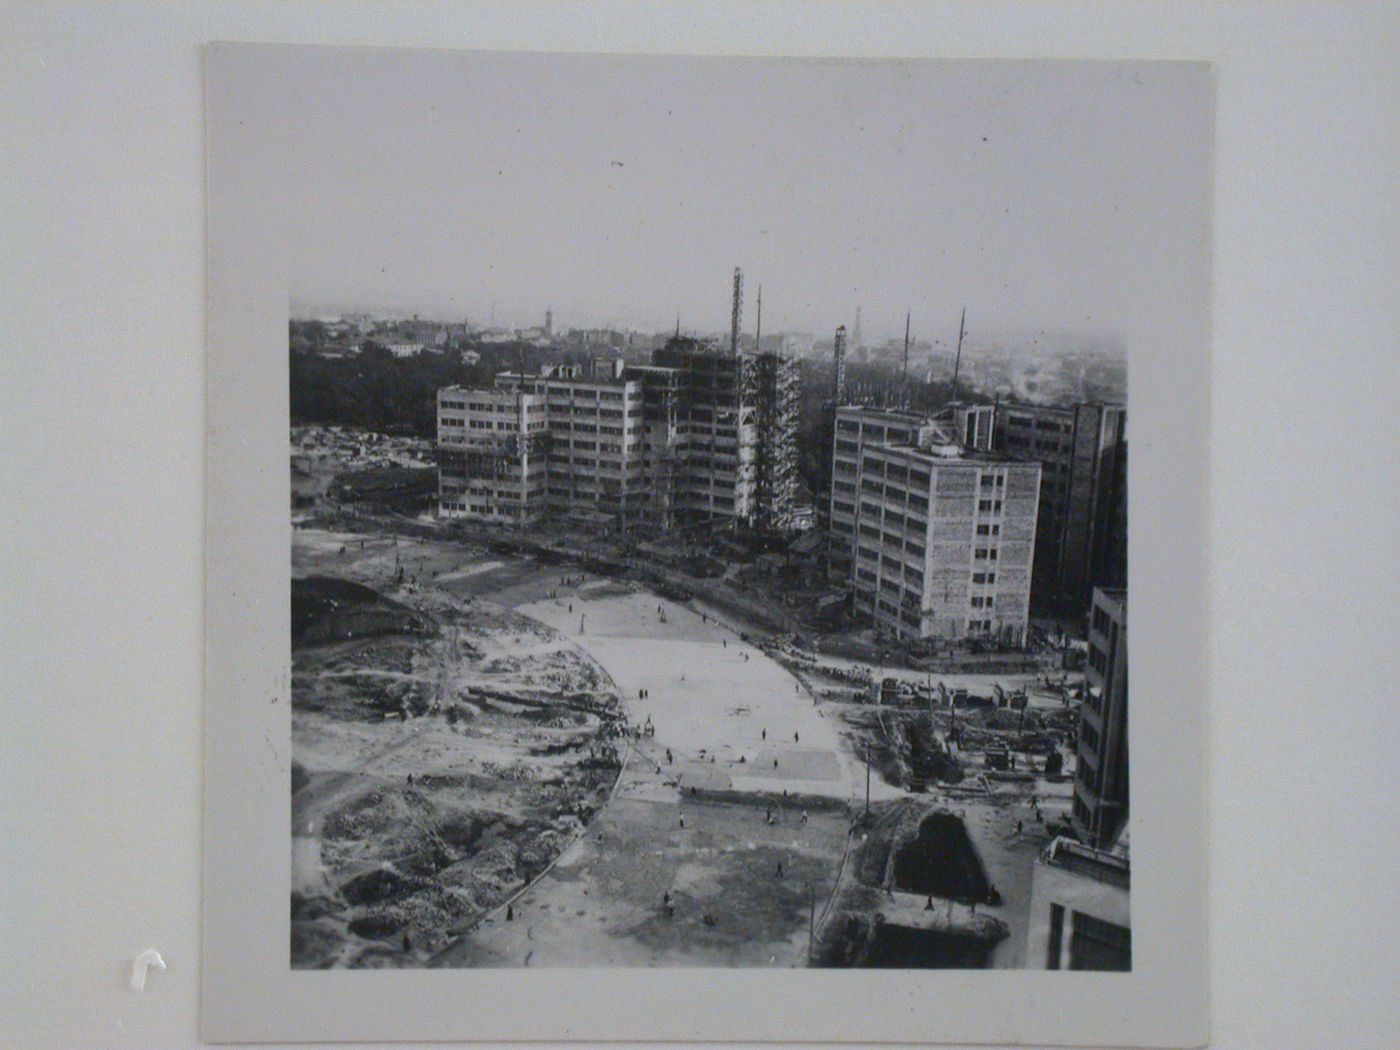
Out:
{"x": 724, "y": 710}
{"x": 441, "y": 761}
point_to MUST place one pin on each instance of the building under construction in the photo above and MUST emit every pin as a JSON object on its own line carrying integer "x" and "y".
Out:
{"x": 703, "y": 433}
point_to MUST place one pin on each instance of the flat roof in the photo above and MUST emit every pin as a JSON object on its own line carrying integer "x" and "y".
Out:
{"x": 962, "y": 455}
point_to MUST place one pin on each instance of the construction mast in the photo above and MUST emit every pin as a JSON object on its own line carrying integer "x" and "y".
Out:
{"x": 957, "y": 360}
{"x": 839, "y": 390}
{"x": 904, "y": 375}
{"x": 758, "y": 325}
{"x": 736, "y": 314}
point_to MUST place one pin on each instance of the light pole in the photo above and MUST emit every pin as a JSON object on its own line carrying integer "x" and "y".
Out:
{"x": 867, "y": 781}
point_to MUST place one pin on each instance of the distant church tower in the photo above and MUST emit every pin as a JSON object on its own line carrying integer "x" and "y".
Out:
{"x": 549, "y": 324}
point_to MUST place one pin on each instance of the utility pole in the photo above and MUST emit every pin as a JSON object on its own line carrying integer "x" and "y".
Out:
{"x": 867, "y": 780}
{"x": 957, "y": 360}
{"x": 904, "y": 376}
{"x": 812, "y": 921}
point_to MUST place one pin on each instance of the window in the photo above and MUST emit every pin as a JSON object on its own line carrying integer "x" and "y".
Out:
{"x": 1057, "y": 931}
{"x": 1098, "y": 945}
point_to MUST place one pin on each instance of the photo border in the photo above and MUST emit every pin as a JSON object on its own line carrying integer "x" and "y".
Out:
{"x": 250, "y": 992}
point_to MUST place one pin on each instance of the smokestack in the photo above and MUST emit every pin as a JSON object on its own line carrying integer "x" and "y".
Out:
{"x": 736, "y": 317}
{"x": 840, "y": 364}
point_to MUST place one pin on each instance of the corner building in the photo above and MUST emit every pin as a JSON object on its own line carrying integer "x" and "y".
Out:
{"x": 856, "y": 428}
{"x": 944, "y": 538}
{"x": 492, "y": 454}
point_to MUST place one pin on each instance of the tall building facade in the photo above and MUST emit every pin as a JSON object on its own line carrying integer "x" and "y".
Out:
{"x": 1101, "y": 772}
{"x": 595, "y": 457}
{"x": 859, "y": 426}
{"x": 717, "y": 476}
{"x": 935, "y": 540}
{"x": 1081, "y": 542}
{"x": 698, "y": 435}
{"x": 492, "y": 454}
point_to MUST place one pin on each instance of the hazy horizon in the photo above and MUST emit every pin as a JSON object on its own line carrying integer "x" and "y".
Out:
{"x": 624, "y": 190}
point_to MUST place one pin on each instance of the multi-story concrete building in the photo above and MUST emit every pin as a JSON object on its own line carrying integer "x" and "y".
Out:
{"x": 492, "y": 450}
{"x": 945, "y": 542}
{"x": 1081, "y": 542}
{"x": 1080, "y": 913}
{"x": 596, "y": 468}
{"x": 700, "y": 434}
{"x": 664, "y": 441}
{"x": 856, "y": 427}
{"x": 717, "y": 478}
{"x": 934, "y": 539}
{"x": 1101, "y": 772}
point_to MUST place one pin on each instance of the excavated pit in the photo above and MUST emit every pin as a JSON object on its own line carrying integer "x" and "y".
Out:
{"x": 941, "y": 861}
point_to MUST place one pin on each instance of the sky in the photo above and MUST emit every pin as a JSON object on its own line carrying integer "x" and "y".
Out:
{"x": 625, "y": 189}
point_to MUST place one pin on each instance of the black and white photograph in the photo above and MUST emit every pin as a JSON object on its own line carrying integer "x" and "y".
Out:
{"x": 709, "y": 497}
{"x": 540, "y": 523}
{"x": 670, "y": 515}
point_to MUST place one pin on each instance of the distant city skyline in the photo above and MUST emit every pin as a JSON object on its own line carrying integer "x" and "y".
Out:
{"x": 623, "y": 190}
{"x": 1098, "y": 341}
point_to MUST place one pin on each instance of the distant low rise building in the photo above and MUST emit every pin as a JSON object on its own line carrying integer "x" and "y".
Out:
{"x": 404, "y": 349}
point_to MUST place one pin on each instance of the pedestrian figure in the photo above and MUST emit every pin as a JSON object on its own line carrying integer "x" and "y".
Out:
{"x": 796, "y": 739}
{"x": 407, "y": 944}
{"x": 779, "y": 872}
{"x": 804, "y": 816}
{"x": 666, "y": 897}
{"x": 775, "y": 763}
{"x": 724, "y": 643}
{"x": 682, "y": 821}
{"x": 768, "y": 814}
{"x": 668, "y": 756}
{"x": 1018, "y": 828}
{"x": 410, "y": 780}
{"x": 928, "y": 904}
{"x": 510, "y": 913}
{"x": 571, "y": 607}
{"x": 765, "y": 733}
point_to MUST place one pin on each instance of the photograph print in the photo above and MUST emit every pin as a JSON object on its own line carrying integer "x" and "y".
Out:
{"x": 709, "y": 507}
